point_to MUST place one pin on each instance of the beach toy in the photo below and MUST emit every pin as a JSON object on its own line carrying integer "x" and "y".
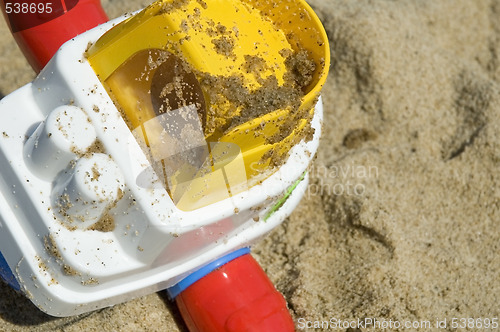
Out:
{"x": 152, "y": 150}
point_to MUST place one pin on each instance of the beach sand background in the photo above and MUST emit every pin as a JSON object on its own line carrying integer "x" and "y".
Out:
{"x": 402, "y": 218}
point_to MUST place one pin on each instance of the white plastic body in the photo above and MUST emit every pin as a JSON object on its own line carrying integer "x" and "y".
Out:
{"x": 70, "y": 270}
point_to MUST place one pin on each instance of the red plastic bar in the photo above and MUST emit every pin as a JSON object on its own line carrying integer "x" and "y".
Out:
{"x": 236, "y": 297}
{"x": 40, "y": 27}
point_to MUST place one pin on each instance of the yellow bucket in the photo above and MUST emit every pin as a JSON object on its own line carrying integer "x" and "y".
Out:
{"x": 242, "y": 76}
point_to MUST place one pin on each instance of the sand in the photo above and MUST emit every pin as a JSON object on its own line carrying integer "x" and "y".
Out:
{"x": 401, "y": 221}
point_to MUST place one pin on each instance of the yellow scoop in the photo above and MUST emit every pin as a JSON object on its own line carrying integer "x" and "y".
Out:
{"x": 216, "y": 91}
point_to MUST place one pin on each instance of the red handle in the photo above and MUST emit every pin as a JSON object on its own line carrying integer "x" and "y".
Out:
{"x": 236, "y": 297}
{"x": 40, "y": 27}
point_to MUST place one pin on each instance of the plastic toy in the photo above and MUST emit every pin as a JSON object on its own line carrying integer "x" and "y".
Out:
{"x": 152, "y": 150}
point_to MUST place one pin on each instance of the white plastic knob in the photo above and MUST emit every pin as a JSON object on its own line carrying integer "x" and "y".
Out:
{"x": 86, "y": 192}
{"x": 65, "y": 133}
